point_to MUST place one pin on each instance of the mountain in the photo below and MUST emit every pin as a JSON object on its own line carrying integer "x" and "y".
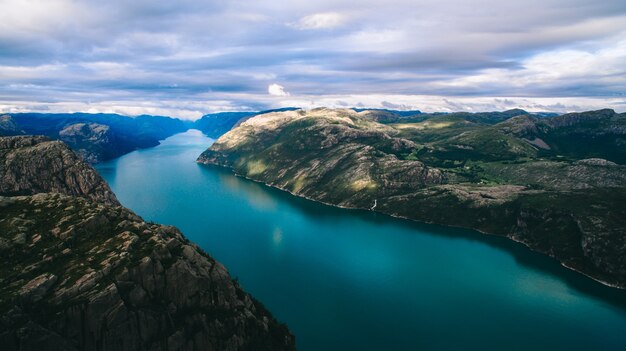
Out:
{"x": 215, "y": 125}
{"x": 93, "y": 142}
{"x": 392, "y": 116}
{"x": 9, "y": 127}
{"x": 403, "y": 113}
{"x": 31, "y": 165}
{"x": 457, "y": 137}
{"x": 602, "y": 133}
{"x": 99, "y": 137}
{"x": 498, "y": 176}
{"x": 80, "y": 272}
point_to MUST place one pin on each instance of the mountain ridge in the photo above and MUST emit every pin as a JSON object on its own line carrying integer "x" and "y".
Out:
{"x": 474, "y": 175}
{"x": 84, "y": 133}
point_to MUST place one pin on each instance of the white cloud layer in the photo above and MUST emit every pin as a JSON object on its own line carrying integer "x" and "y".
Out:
{"x": 425, "y": 103}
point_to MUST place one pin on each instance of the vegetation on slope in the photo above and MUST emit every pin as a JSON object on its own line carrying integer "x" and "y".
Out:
{"x": 500, "y": 173}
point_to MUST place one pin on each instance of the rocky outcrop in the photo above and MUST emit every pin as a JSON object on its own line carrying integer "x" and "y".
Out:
{"x": 80, "y": 272}
{"x": 583, "y": 119}
{"x": 353, "y": 157}
{"x": 35, "y": 164}
{"x": 487, "y": 176}
{"x": 80, "y": 275}
{"x": 93, "y": 142}
{"x": 596, "y": 162}
{"x": 602, "y": 132}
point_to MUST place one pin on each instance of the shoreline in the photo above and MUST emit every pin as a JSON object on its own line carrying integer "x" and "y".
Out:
{"x": 563, "y": 264}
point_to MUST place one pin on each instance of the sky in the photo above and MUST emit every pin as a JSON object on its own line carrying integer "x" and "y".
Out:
{"x": 187, "y": 58}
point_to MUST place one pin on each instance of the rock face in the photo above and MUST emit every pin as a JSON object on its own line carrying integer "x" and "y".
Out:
{"x": 337, "y": 148}
{"x": 99, "y": 137}
{"x": 79, "y": 275}
{"x": 481, "y": 171}
{"x": 80, "y": 272}
{"x": 31, "y": 165}
{"x": 93, "y": 142}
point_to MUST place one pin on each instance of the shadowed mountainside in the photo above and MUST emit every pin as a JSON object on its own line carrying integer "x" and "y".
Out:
{"x": 98, "y": 137}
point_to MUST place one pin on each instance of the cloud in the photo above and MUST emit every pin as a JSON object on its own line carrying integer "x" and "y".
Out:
{"x": 194, "y": 57}
{"x": 572, "y": 72}
{"x": 438, "y": 103}
{"x": 227, "y": 102}
{"x": 324, "y": 20}
{"x": 277, "y": 90}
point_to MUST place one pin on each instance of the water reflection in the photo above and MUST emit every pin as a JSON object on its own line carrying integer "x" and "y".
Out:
{"x": 277, "y": 236}
{"x": 255, "y": 192}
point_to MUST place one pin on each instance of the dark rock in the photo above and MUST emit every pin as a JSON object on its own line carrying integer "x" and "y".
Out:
{"x": 30, "y": 165}
{"x": 124, "y": 285}
{"x": 92, "y": 141}
{"x": 80, "y": 272}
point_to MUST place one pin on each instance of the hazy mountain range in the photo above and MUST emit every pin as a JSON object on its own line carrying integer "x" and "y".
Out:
{"x": 100, "y": 137}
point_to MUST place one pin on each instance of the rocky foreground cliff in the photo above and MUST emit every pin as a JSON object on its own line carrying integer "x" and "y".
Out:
{"x": 510, "y": 174}
{"x": 31, "y": 165}
{"x": 80, "y": 272}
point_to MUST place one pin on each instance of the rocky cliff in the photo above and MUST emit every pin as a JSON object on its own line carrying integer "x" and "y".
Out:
{"x": 80, "y": 272}
{"x": 297, "y": 151}
{"x": 92, "y": 141}
{"x": 36, "y": 164}
{"x": 455, "y": 170}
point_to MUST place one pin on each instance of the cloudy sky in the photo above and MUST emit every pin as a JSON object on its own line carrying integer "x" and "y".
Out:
{"x": 186, "y": 58}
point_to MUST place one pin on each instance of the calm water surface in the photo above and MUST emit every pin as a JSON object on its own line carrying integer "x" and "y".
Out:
{"x": 355, "y": 280}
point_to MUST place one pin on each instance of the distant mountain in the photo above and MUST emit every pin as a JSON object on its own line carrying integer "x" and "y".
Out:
{"x": 9, "y": 127}
{"x": 215, "y": 125}
{"x": 394, "y": 116}
{"x": 99, "y": 137}
{"x": 92, "y": 141}
{"x": 389, "y": 116}
{"x": 556, "y": 184}
{"x": 593, "y": 134}
{"x": 589, "y": 134}
{"x": 403, "y": 113}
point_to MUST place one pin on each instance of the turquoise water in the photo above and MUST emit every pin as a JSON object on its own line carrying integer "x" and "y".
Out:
{"x": 356, "y": 280}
